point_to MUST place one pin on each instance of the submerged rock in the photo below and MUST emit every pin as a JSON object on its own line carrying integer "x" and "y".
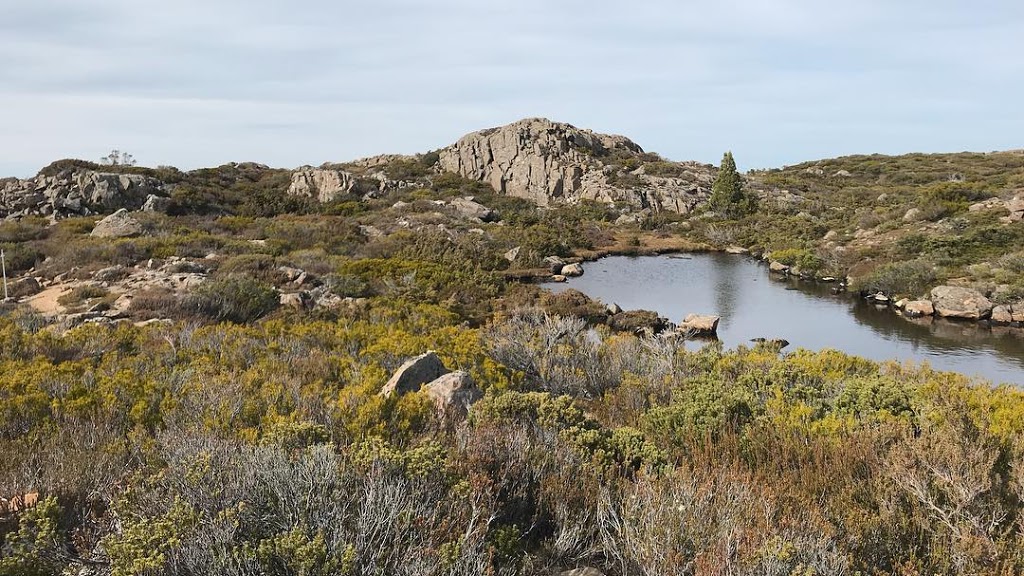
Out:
{"x": 701, "y": 324}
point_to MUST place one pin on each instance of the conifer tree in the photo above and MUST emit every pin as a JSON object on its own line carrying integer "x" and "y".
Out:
{"x": 727, "y": 195}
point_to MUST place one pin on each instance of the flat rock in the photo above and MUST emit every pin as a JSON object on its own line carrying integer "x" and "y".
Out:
{"x": 778, "y": 267}
{"x": 918, "y": 308}
{"x": 701, "y": 323}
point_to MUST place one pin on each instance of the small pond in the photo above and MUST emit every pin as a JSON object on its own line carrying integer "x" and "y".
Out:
{"x": 754, "y": 304}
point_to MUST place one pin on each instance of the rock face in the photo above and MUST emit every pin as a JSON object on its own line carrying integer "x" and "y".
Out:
{"x": 328, "y": 184}
{"x": 325, "y": 185}
{"x": 118, "y": 225}
{"x": 454, "y": 390}
{"x": 76, "y": 193}
{"x": 957, "y": 302}
{"x": 549, "y": 162}
{"x": 701, "y": 324}
{"x": 415, "y": 373}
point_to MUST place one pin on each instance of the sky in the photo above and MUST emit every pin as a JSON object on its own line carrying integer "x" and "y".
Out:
{"x": 196, "y": 83}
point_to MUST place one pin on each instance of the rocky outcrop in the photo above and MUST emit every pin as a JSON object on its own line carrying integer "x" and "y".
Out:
{"x": 118, "y": 225}
{"x": 550, "y": 162}
{"x": 325, "y": 185}
{"x": 76, "y": 193}
{"x": 957, "y": 302}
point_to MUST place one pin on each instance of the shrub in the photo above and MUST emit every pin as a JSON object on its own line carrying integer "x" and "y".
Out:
{"x": 20, "y": 257}
{"x": 573, "y": 303}
{"x": 262, "y": 267}
{"x": 235, "y": 298}
{"x": 900, "y": 279}
{"x": 82, "y": 293}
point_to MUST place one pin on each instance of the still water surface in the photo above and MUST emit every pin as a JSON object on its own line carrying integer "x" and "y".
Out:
{"x": 754, "y": 304}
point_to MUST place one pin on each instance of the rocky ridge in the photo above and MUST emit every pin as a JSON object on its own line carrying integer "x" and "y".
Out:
{"x": 78, "y": 193}
{"x": 550, "y": 162}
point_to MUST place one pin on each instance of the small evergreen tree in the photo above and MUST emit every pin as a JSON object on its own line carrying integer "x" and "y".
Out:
{"x": 727, "y": 195}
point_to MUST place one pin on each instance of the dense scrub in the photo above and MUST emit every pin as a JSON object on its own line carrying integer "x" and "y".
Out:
{"x": 265, "y": 448}
{"x": 248, "y": 437}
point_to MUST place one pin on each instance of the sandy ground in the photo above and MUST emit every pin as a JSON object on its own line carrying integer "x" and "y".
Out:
{"x": 46, "y": 301}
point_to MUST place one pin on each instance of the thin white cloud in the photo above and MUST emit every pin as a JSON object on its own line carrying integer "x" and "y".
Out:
{"x": 196, "y": 83}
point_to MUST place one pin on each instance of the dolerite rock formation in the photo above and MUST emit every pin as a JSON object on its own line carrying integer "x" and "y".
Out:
{"x": 76, "y": 193}
{"x": 322, "y": 184}
{"x": 359, "y": 178}
{"x": 550, "y": 162}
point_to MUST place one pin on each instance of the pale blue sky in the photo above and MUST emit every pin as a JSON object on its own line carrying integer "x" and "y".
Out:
{"x": 196, "y": 83}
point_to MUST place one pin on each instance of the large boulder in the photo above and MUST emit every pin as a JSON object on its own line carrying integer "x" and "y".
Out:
{"x": 469, "y": 208}
{"x": 120, "y": 224}
{"x": 414, "y": 374}
{"x": 701, "y": 324}
{"x": 959, "y": 302}
{"x": 455, "y": 390}
{"x": 571, "y": 270}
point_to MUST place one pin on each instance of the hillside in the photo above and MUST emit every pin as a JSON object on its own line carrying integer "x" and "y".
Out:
{"x": 340, "y": 370}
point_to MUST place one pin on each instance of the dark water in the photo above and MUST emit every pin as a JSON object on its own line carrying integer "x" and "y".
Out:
{"x": 754, "y": 304}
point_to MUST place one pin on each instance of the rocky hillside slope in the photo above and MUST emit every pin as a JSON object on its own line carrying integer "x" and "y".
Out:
{"x": 547, "y": 162}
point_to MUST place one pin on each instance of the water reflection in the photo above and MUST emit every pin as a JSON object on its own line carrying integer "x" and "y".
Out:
{"x": 754, "y": 305}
